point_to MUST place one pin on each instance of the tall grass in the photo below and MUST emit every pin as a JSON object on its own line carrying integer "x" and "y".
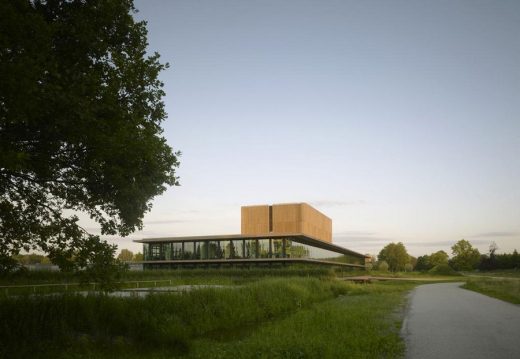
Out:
{"x": 361, "y": 325}
{"x": 171, "y": 322}
{"x": 56, "y": 282}
{"x": 232, "y": 273}
{"x": 504, "y": 289}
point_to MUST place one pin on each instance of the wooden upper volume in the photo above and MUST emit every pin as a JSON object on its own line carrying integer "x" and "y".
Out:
{"x": 290, "y": 218}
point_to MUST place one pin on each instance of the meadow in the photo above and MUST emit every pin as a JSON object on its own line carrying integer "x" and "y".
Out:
{"x": 498, "y": 286}
{"x": 291, "y": 313}
{"x": 283, "y": 312}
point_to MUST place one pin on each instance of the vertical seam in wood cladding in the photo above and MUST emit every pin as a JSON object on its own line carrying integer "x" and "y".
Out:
{"x": 286, "y": 218}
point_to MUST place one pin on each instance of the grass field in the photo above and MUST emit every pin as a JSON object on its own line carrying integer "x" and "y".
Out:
{"x": 507, "y": 289}
{"x": 363, "y": 324}
{"x": 260, "y": 316}
{"x": 44, "y": 282}
{"x": 496, "y": 273}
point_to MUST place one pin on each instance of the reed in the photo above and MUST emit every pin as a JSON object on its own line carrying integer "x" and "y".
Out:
{"x": 168, "y": 321}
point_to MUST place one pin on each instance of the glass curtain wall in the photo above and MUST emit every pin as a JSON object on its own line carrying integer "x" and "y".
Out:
{"x": 251, "y": 248}
{"x": 188, "y": 251}
{"x": 299, "y": 250}
{"x": 264, "y": 248}
{"x": 277, "y": 248}
{"x": 233, "y": 249}
{"x": 243, "y": 248}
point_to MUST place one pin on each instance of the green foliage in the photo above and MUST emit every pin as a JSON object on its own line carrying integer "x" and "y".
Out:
{"x": 427, "y": 262}
{"x": 157, "y": 321}
{"x": 382, "y": 266}
{"x": 138, "y": 257}
{"x": 125, "y": 255}
{"x": 465, "y": 257}
{"x": 493, "y": 261}
{"x": 80, "y": 114}
{"x": 423, "y": 263}
{"x": 360, "y": 325}
{"x": 31, "y": 258}
{"x": 443, "y": 269}
{"x": 274, "y": 317}
{"x": 395, "y": 255}
{"x": 226, "y": 276}
{"x": 438, "y": 258}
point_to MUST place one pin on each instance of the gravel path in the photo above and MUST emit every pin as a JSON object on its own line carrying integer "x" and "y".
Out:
{"x": 446, "y": 321}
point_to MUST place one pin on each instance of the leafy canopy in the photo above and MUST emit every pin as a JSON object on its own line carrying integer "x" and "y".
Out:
{"x": 465, "y": 257}
{"x": 80, "y": 127}
{"x": 395, "y": 255}
{"x": 125, "y": 255}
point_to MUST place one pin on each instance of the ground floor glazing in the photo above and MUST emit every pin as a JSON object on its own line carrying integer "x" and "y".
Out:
{"x": 244, "y": 249}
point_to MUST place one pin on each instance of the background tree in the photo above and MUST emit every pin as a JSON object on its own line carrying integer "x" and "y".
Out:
{"x": 382, "y": 266}
{"x": 465, "y": 257}
{"x": 423, "y": 263}
{"x": 125, "y": 255}
{"x": 138, "y": 257}
{"x": 413, "y": 261}
{"x": 437, "y": 258}
{"x": 31, "y": 258}
{"x": 427, "y": 262}
{"x": 80, "y": 114}
{"x": 395, "y": 255}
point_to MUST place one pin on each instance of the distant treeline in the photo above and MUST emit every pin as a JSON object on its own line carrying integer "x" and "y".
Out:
{"x": 32, "y": 258}
{"x": 465, "y": 257}
{"x": 499, "y": 261}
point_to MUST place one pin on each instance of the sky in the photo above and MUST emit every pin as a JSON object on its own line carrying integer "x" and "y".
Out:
{"x": 400, "y": 120}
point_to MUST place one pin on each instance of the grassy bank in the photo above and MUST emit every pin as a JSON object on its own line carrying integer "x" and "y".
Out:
{"x": 364, "y": 323}
{"x": 158, "y": 321}
{"x": 504, "y": 289}
{"x": 208, "y": 322}
{"x": 512, "y": 273}
{"x": 52, "y": 282}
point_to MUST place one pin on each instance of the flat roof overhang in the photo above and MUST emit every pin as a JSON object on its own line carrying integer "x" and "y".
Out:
{"x": 301, "y": 237}
{"x": 250, "y": 260}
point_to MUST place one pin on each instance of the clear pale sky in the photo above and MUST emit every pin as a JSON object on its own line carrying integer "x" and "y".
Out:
{"x": 400, "y": 120}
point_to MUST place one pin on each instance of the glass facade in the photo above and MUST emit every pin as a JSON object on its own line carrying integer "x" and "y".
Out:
{"x": 244, "y": 248}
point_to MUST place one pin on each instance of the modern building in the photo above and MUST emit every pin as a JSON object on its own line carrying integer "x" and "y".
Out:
{"x": 279, "y": 233}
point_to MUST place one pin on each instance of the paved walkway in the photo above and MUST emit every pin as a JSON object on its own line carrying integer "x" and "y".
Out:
{"x": 446, "y": 321}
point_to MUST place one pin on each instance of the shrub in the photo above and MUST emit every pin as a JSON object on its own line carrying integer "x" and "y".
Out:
{"x": 443, "y": 269}
{"x": 382, "y": 266}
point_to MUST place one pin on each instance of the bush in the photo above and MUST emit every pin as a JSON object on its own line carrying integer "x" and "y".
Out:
{"x": 382, "y": 266}
{"x": 443, "y": 269}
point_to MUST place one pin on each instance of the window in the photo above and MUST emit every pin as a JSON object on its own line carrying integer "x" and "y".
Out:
{"x": 155, "y": 251}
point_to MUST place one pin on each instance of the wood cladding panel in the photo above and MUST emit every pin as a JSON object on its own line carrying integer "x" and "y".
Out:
{"x": 316, "y": 224}
{"x": 286, "y": 218}
{"x": 255, "y": 220}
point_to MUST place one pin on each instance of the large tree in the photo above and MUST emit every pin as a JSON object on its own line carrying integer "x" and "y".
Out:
{"x": 395, "y": 255}
{"x": 80, "y": 127}
{"x": 465, "y": 257}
